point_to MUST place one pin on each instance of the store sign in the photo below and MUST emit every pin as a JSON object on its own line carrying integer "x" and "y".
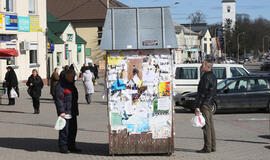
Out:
{"x": 150, "y": 43}
{"x": 1, "y": 21}
{"x": 24, "y": 24}
{"x": 34, "y": 24}
{"x": 66, "y": 51}
{"x": 79, "y": 47}
{"x": 50, "y": 47}
{"x": 11, "y": 22}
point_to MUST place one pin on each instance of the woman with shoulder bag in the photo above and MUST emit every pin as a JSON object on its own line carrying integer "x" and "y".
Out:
{"x": 35, "y": 85}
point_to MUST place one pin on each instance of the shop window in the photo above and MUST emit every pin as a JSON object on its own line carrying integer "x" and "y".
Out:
{"x": 10, "y": 5}
{"x": 32, "y": 6}
{"x": 58, "y": 58}
{"x": 33, "y": 56}
{"x": 11, "y": 62}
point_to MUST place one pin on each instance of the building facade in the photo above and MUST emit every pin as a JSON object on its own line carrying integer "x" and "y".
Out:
{"x": 23, "y": 27}
{"x": 87, "y": 17}
{"x": 188, "y": 45}
{"x": 228, "y": 13}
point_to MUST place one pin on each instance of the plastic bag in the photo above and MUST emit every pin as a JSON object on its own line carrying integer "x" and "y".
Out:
{"x": 60, "y": 123}
{"x": 198, "y": 121}
{"x": 13, "y": 93}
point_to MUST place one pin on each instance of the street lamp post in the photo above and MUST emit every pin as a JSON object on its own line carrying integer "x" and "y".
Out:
{"x": 266, "y": 36}
{"x": 238, "y": 45}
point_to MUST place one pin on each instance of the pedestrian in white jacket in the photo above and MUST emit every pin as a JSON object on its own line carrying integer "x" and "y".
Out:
{"x": 88, "y": 84}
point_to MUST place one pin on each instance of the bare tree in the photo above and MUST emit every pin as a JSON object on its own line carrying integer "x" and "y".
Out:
{"x": 197, "y": 17}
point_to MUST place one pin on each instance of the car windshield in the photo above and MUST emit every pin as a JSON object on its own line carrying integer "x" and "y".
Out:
{"x": 223, "y": 83}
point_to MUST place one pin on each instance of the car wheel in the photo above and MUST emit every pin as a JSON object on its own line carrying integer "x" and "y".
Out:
{"x": 214, "y": 108}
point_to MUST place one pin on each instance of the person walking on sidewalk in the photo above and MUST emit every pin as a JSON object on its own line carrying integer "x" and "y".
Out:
{"x": 67, "y": 107}
{"x": 204, "y": 102}
{"x": 11, "y": 81}
{"x": 54, "y": 80}
{"x": 88, "y": 84}
{"x": 35, "y": 85}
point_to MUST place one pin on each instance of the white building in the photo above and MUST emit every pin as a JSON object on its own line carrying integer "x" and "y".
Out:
{"x": 188, "y": 45}
{"x": 228, "y": 13}
{"x": 66, "y": 47}
{"x": 23, "y": 27}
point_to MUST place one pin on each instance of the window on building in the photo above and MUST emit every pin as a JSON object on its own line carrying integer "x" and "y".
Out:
{"x": 99, "y": 35}
{"x": 205, "y": 48}
{"x": 229, "y": 9}
{"x": 33, "y": 56}
{"x": 11, "y": 62}
{"x": 32, "y": 6}
{"x": 58, "y": 58}
{"x": 99, "y": 41}
{"x": 205, "y": 39}
{"x": 10, "y": 5}
{"x": 69, "y": 37}
{"x": 100, "y": 29}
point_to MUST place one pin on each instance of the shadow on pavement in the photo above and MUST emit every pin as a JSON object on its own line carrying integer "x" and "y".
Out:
{"x": 51, "y": 145}
{"x": 184, "y": 150}
{"x": 14, "y": 112}
{"x": 264, "y": 136}
{"x": 267, "y": 147}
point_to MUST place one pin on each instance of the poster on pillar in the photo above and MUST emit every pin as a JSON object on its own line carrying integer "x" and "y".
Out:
{"x": 139, "y": 97}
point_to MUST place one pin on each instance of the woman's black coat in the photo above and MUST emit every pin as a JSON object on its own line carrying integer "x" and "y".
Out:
{"x": 11, "y": 79}
{"x": 35, "y": 89}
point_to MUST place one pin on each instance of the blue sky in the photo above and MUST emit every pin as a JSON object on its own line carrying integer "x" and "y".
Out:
{"x": 211, "y": 8}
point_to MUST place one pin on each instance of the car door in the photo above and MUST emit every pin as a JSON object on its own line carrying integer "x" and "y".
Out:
{"x": 234, "y": 95}
{"x": 258, "y": 92}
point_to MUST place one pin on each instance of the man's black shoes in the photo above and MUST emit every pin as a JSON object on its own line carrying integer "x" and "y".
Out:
{"x": 64, "y": 150}
{"x": 75, "y": 150}
{"x": 203, "y": 151}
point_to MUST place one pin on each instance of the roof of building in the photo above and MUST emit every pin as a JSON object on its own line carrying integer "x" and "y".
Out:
{"x": 51, "y": 18}
{"x": 179, "y": 28}
{"x": 80, "y": 9}
{"x": 80, "y": 40}
{"x": 53, "y": 38}
{"x": 224, "y": 1}
{"x": 56, "y": 28}
{"x": 200, "y": 28}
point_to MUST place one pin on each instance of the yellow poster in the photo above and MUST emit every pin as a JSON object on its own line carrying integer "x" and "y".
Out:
{"x": 34, "y": 24}
{"x": 164, "y": 89}
{"x": 1, "y": 21}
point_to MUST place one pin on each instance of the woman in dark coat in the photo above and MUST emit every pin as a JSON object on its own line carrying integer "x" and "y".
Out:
{"x": 35, "y": 85}
{"x": 54, "y": 80}
{"x": 11, "y": 82}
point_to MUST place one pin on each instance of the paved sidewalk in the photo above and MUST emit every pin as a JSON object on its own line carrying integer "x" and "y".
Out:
{"x": 26, "y": 136}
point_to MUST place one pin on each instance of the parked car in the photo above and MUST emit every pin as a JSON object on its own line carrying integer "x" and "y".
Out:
{"x": 246, "y": 92}
{"x": 187, "y": 76}
{"x": 265, "y": 66}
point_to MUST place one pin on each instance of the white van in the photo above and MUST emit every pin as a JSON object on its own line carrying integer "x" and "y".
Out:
{"x": 187, "y": 76}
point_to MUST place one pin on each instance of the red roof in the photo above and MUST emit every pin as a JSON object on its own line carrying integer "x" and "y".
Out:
{"x": 8, "y": 53}
{"x": 80, "y": 9}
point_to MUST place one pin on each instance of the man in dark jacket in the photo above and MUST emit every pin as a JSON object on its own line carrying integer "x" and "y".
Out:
{"x": 206, "y": 91}
{"x": 67, "y": 107}
{"x": 11, "y": 81}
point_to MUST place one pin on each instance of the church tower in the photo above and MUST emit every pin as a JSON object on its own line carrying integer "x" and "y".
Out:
{"x": 228, "y": 13}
